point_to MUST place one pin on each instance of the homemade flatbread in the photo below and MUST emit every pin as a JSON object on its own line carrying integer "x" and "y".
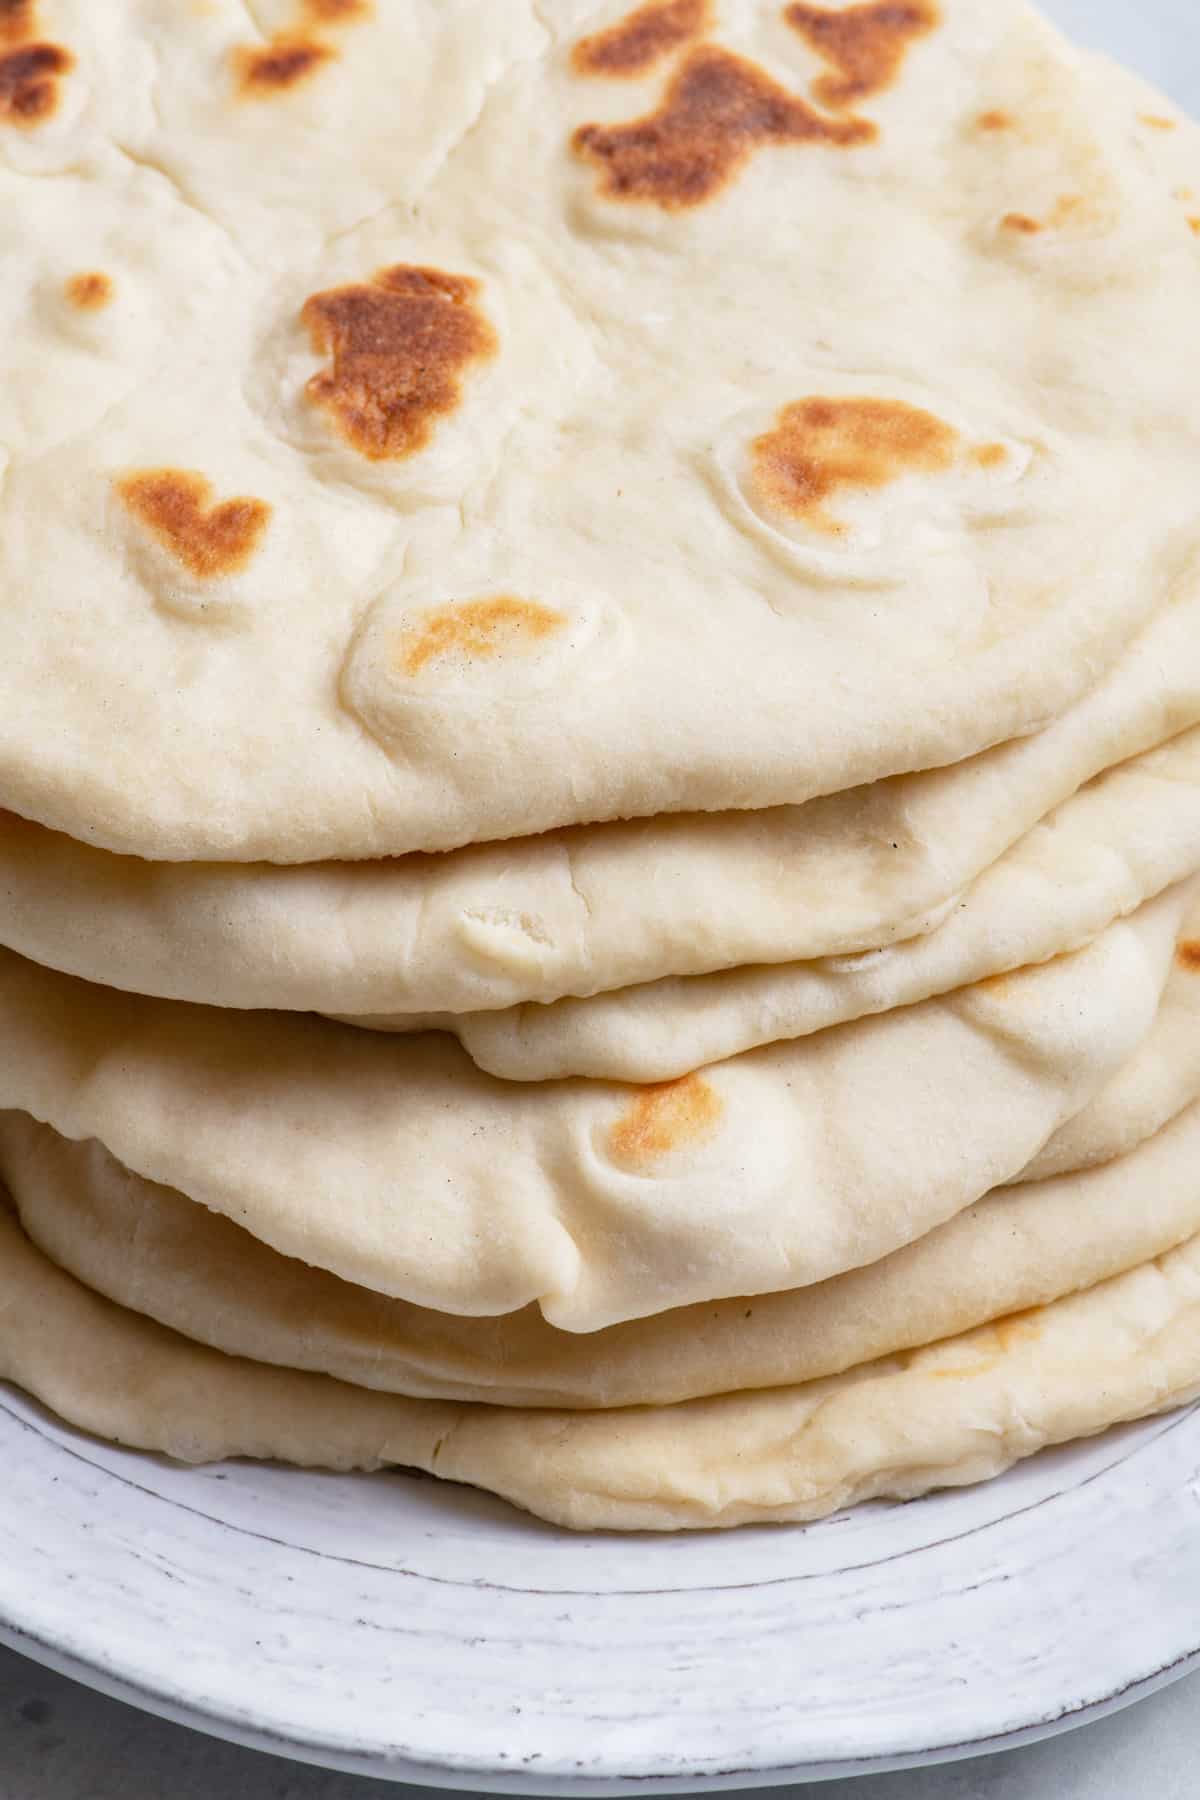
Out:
{"x": 1161, "y": 1078}
{"x": 1124, "y": 837}
{"x": 395, "y": 1163}
{"x": 959, "y": 1411}
{"x": 659, "y": 542}
{"x": 768, "y": 354}
{"x": 597, "y": 908}
{"x": 154, "y": 1251}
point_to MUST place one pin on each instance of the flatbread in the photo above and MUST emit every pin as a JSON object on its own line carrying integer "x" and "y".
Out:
{"x": 1160, "y": 1079}
{"x": 1124, "y": 837}
{"x": 958, "y": 1412}
{"x": 152, "y": 1250}
{"x": 842, "y": 424}
{"x": 395, "y": 1163}
{"x": 598, "y": 908}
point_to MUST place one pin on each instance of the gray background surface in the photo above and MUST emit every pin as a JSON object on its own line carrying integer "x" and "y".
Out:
{"x": 60, "y": 1742}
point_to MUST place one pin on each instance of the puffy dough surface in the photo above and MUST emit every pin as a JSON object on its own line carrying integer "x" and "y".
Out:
{"x": 596, "y": 908}
{"x": 956, "y": 1412}
{"x": 396, "y": 1164}
{"x": 152, "y": 1250}
{"x": 1128, "y": 834}
{"x": 415, "y": 425}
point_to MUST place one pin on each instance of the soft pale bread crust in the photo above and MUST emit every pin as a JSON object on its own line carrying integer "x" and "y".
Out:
{"x": 1160, "y": 1079}
{"x": 598, "y": 908}
{"x": 154, "y": 1251}
{"x": 382, "y": 331}
{"x": 350, "y": 622}
{"x": 958, "y": 1412}
{"x": 1124, "y": 837}
{"x": 396, "y": 1164}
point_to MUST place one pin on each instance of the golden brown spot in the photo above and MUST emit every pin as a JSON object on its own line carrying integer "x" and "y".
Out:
{"x": 1188, "y": 955}
{"x": 989, "y": 456}
{"x": 174, "y": 504}
{"x": 90, "y": 292}
{"x": 999, "y": 1339}
{"x": 399, "y": 345}
{"x": 997, "y": 984}
{"x": 292, "y": 56}
{"x": 1194, "y": 222}
{"x": 639, "y": 41}
{"x": 1018, "y": 1328}
{"x": 1157, "y": 121}
{"x": 995, "y": 119}
{"x": 336, "y": 12}
{"x": 717, "y": 111}
{"x": 820, "y": 445}
{"x": 866, "y": 44}
{"x": 279, "y": 66}
{"x": 1065, "y": 208}
{"x": 29, "y": 78}
{"x": 663, "y": 1118}
{"x": 18, "y": 21}
{"x": 964, "y": 1371}
{"x": 475, "y": 628}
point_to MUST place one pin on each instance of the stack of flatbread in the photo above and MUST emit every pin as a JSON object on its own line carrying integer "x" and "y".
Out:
{"x": 600, "y": 734}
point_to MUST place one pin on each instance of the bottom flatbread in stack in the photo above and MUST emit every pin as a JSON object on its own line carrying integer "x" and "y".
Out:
{"x": 959, "y": 1410}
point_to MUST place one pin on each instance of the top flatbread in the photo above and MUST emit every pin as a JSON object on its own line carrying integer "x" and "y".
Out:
{"x": 404, "y": 446}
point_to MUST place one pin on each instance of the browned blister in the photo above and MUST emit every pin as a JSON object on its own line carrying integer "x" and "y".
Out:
{"x": 399, "y": 345}
{"x": 292, "y": 56}
{"x": 29, "y": 78}
{"x": 90, "y": 291}
{"x": 475, "y": 628}
{"x": 636, "y": 43}
{"x": 18, "y": 21}
{"x": 718, "y": 110}
{"x": 175, "y": 505}
{"x": 820, "y": 445}
{"x": 866, "y": 45}
{"x": 666, "y": 1117}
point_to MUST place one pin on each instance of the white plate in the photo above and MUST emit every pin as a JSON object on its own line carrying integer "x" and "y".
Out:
{"x": 398, "y": 1627}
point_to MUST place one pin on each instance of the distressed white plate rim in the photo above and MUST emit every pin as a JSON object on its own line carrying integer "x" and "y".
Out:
{"x": 409, "y": 1630}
